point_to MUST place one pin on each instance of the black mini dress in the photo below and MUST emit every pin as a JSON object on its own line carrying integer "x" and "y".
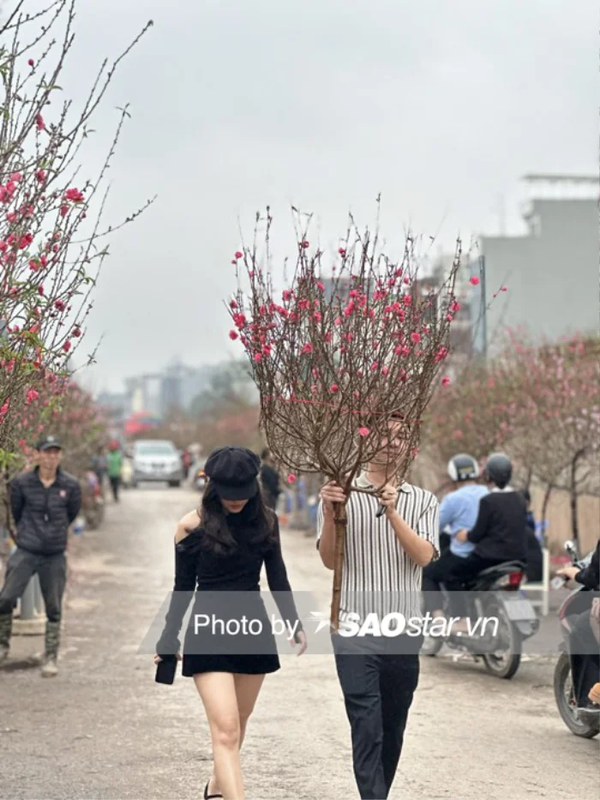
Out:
{"x": 229, "y": 629}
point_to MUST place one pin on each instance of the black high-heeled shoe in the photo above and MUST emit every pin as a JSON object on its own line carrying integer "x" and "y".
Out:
{"x": 208, "y": 796}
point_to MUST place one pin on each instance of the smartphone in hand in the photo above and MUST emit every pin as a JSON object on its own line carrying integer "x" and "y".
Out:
{"x": 166, "y": 669}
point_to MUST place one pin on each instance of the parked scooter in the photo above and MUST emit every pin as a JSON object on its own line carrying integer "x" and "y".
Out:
{"x": 493, "y": 597}
{"x": 586, "y": 724}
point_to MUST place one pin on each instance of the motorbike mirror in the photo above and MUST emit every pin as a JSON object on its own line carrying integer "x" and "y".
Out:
{"x": 571, "y": 549}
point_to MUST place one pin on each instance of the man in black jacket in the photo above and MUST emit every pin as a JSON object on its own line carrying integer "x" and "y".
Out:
{"x": 269, "y": 479}
{"x": 499, "y": 534}
{"x": 44, "y": 503}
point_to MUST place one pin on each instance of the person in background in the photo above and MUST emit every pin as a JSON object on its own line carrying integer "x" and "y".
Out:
{"x": 44, "y": 502}
{"x": 499, "y": 533}
{"x": 269, "y": 479}
{"x": 458, "y": 510}
{"x": 98, "y": 466}
{"x": 114, "y": 464}
{"x": 535, "y": 557}
{"x": 584, "y": 647}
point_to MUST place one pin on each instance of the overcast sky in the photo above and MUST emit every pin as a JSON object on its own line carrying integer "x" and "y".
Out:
{"x": 440, "y": 106}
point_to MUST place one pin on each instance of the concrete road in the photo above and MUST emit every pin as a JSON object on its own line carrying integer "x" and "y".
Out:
{"x": 104, "y": 729}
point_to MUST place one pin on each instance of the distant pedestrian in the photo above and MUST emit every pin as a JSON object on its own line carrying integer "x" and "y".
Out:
{"x": 44, "y": 502}
{"x": 114, "y": 464}
{"x": 270, "y": 480}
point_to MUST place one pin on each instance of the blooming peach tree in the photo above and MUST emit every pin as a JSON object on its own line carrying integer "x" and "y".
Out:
{"x": 52, "y": 239}
{"x": 339, "y": 352}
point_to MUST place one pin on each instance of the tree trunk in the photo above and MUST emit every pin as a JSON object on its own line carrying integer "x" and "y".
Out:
{"x": 340, "y": 520}
{"x": 574, "y": 498}
{"x": 545, "y": 512}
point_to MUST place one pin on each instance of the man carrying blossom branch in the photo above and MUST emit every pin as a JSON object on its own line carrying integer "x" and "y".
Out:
{"x": 383, "y": 564}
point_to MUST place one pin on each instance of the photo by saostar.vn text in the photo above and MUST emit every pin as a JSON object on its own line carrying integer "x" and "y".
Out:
{"x": 391, "y": 624}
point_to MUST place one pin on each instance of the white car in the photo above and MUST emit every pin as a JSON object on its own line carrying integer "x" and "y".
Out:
{"x": 157, "y": 461}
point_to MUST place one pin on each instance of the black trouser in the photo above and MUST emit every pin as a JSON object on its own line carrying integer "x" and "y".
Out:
{"x": 378, "y": 684}
{"x": 52, "y": 572}
{"x": 585, "y": 658}
{"x": 115, "y": 484}
{"x": 464, "y": 570}
{"x": 434, "y": 574}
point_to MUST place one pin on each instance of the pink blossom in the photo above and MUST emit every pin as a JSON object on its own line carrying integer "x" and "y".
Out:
{"x": 41, "y": 290}
{"x": 11, "y": 216}
{"x": 31, "y": 396}
{"x": 407, "y": 300}
{"x": 64, "y": 210}
{"x": 233, "y": 304}
{"x": 3, "y": 246}
{"x": 504, "y": 289}
{"x": 474, "y": 281}
{"x": 287, "y": 295}
{"x": 342, "y": 252}
{"x": 67, "y": 346}
{"x": 291, "y": 478}
{"x": 74, "y": 195}
{"x": 363, "y": 432}
{"x": 34, "y": 265}
{"x": 60, "y": 305}
{"x": 446, "y": 381}
{"x": 40, "y": 175}
{"x": 305, "y": 244}
{"x": 258, "y": 357}
{"x": 16, "y": 177}
{"x": 337, "y": 321}
{"x": 385, "y": 371}
{"x": 77, "y": 331}
{"x": 317, "y": 316}
{"x": 334, "y": 388}
{"x": 31, "y": 62}
{"x": 39, "y": 121}
{"x": 308, "y": 348}
{"x": 374, "y": 366}
{"x": 238, "y": 254}
{"x": 415, "y": 338}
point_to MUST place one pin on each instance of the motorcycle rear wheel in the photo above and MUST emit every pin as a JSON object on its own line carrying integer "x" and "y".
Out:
{"x": 563, "y": 693}
{"x": 505, "y": 665}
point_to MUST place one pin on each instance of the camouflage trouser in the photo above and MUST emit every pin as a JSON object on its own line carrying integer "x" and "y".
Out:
{"x": 52, "y": 573}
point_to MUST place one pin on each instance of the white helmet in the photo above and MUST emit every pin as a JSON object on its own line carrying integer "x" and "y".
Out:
{"x": 463, "y": 467}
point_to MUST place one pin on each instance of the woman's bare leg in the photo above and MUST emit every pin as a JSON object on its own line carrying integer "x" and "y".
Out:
{"x": 247, "y": 688}
{"x": 218, "y": 693}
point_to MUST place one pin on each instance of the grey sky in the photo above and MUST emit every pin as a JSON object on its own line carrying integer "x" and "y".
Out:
{"x": 440, "y": 106}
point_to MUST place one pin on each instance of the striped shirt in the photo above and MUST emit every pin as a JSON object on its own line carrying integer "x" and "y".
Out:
{"x": 378, "y": 576}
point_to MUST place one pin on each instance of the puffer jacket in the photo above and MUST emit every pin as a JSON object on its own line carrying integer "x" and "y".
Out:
{"x": 43, "y": 515}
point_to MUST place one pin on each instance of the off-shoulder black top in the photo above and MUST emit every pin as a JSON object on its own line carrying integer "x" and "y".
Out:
{"x": 198, "y": 569}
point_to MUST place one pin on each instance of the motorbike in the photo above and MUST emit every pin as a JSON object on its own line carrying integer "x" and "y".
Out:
{"x": 493, "y": 596}
{"x": 199, "y": 479}
{"x": 585, "y": 724}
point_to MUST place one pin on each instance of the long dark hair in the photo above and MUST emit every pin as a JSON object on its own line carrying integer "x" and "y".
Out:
{"x": 217, "y": 536}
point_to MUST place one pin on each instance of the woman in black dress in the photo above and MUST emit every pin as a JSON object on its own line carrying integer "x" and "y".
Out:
{"x": 219, "y": 553}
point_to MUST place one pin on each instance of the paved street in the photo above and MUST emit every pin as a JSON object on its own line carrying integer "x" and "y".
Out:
{"x": 105, "y": 729}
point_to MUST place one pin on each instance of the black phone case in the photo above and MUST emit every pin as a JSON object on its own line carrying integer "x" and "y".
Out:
{"x": 165, "y": 671}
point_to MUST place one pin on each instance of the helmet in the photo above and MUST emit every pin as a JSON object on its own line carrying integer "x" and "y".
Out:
{"x": 498, "y": 469}
{"x": 463, "y": 467}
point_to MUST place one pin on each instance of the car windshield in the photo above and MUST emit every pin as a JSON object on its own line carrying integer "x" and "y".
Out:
{"x": 155, "y": 449}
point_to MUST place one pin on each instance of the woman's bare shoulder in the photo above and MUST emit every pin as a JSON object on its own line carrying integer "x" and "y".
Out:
{"x": 187, "y": 524}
